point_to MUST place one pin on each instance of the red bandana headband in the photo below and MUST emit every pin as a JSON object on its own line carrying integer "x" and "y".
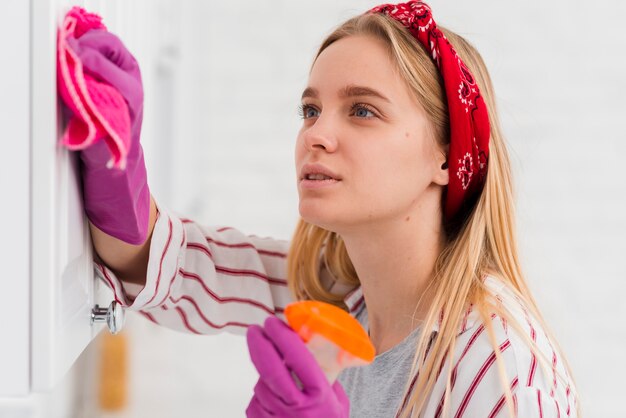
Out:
{"x": 469, "y": 122}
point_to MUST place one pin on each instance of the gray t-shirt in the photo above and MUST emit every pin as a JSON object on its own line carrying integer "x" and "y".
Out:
{"x": 376, "y": 390}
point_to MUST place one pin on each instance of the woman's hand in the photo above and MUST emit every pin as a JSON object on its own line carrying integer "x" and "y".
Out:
{"x": 277, "y": 352}
{"x": 117, "y": 202}
{"x": 105, "y": 58}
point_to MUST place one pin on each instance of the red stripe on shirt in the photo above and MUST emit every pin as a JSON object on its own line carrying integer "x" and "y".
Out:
{"x": 496, "y": 409}
{"x": 167, "y": 244}
{"x": 110, "y": 281}
{"x": 246, "y": 245}
{"x": 271, "y": 253}
{"x": 466, "y": 316}
{"x": 204, "y": 318}
{"x": 478, "y": 378}
{"x": 207, "y": 251}
{"x": 197, "y": 246}
{"x": 169, "y": 288}
{"x": 539, "y": 404}
{"x": 558, "y": 409}
{"x": 236, "y": 272}
{"x": 554, "y": 366}
{"x": 357, "y": 304}
{"x": 183, "y": 316}
{"x": 219, "y": 299}
{"x": 240, "y": 245}
{"x": 469, "y": 344}
{"x": 533, "y": 362}
{"x": 553, "y": 373}
{"x": 149, "y": 316}
{"x": 349, "y": 296}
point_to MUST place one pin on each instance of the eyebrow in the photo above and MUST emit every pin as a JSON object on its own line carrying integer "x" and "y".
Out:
{"x": 348, "y": 91}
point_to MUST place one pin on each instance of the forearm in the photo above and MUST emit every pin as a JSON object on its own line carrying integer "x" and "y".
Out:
{"x": 129, "y": 262}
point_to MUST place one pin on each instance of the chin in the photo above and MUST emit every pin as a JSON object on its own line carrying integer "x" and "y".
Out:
{"x": 319, "y": 215}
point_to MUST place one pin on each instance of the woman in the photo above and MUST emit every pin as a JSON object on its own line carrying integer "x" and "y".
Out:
{"x": 407, "y": 222}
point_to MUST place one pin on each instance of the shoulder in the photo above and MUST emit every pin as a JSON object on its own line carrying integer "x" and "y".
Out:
{"x": 528, "y": 360}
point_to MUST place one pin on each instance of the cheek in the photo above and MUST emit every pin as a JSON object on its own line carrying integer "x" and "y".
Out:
{"x": 394, "y": 172}
{"x": 373, "y": 178}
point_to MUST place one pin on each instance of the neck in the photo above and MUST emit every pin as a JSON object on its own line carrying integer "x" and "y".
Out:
{"x": 395, "y": 269}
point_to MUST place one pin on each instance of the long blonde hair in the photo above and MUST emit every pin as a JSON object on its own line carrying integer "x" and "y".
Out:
{"x": 482, "y": 241}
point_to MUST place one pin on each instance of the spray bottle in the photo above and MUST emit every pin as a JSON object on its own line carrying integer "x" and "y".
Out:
{"x": 335, "y": 338}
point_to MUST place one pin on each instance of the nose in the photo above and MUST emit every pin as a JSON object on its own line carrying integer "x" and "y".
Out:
{"x": 320, "y": 136}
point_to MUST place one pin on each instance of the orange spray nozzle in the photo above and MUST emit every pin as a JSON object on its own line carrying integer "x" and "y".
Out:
{"x": 309, "y": 318}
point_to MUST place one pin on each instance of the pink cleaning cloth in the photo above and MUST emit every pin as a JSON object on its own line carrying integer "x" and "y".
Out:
{"x": 99, "y": 110}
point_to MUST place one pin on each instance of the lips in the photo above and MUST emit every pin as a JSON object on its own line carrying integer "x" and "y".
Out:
{"x": 317, "y": 172}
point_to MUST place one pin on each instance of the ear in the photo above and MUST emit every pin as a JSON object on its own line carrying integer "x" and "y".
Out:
{"x": 441, "y": 176}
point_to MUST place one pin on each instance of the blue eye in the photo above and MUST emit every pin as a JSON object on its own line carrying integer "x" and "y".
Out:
{"x": 360, "y": 110}
{"x": 308, "y": 111}
{"x": 363, "y": 111}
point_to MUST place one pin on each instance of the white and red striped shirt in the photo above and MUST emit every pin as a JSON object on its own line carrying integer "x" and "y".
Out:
{"x": 203, "y": 280}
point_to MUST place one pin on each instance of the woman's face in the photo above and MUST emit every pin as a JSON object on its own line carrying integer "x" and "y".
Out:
{"x": 364, "y": 130}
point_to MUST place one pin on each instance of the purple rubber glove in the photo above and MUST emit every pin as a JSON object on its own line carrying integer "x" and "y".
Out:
{"x": 116, "y": 201}
{"x": 277, "y": 352}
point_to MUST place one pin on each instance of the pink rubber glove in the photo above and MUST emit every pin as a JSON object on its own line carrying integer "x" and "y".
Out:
{"x": 277, "y": 351}
{"x": 116, "y": 201}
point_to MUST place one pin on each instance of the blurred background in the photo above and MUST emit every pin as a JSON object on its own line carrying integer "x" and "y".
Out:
{"x": 222, "y": 83}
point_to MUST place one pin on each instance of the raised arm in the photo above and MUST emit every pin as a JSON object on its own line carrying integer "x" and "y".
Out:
{"x": 129, "y": 262}
{"x": 109, "y": 112}
{"x": 176, "y": 272}
{"x": 203, "y": 280}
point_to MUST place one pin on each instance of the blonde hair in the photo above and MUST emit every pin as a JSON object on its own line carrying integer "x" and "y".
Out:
{"x": 480, "y": 242}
